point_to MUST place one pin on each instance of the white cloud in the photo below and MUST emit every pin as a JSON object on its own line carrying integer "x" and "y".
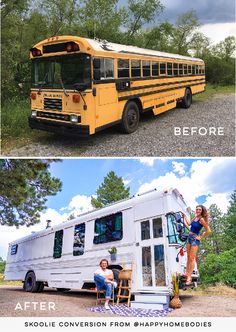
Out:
{"x": 215, "y": 178}
{"x": 218, "y": 31}
{"x": 80, "y": 204}
{"x": 178, "y": 167}
{"x": 126, "y": 182}
{"x": 147, "y": 161}
{"x": 221, "y": 200}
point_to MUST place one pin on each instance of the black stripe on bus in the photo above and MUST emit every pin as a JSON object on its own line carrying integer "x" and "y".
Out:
{"x": 156, "y": 91}
{"x": 162, "y": 84}
{"x": 170, "y": 101}
{"x": 133, "y": 79}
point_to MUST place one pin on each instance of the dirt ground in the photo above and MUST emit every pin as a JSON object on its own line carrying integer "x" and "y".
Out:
{"x": 78, "y": 304}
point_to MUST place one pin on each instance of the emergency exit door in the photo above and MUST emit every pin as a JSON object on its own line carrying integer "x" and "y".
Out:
{"x": 151, "y": 264}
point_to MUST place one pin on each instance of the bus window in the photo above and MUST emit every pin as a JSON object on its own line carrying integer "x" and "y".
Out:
{"x": 175, "y": 69}
{"x": 155, "y": 71}
{"x": 169, "y": 69}
{"x": 107, "y": 68}
{"x": 103, "y": 68}
{"x": 203, "y": 70}
{"x": 157, "y": 227}
{"x": 185, "y": 69}
{"x": 145, "y": 230}
{"x": 58, "y": 241}
{"x": 79, "y": 238}
{"x": 135, "y": 68}
{"x": 189, "y": 69}
{"x": 180, "y": 69}
{"x": 173, "y": 235}
{"x": 146, "y": 69}
{"x": 193, "y": 69}
{"x": 108, "y": 228}
{"x": 197, "y": 69}
{"x": 123, "y": 68}
{"x": 162, "y": 68}
{"x": 14, "y": 248}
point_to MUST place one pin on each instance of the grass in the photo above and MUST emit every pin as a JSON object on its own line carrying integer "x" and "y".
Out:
{"x": 9, "y": 283}
{"x": 217, "y": 290}
{"x": 211, "y": 90}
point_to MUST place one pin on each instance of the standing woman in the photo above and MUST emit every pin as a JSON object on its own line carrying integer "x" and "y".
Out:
{"x": 199, "y": 221}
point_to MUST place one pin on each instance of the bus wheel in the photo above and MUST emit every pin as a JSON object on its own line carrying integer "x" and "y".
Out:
{"x": 130, "y": 118}
{"x": 30, "y": 284}
{"x": 187, "y": 99}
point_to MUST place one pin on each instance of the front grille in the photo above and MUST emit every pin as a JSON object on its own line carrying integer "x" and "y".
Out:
{"x": 53, "y": 104}
{"x": 47, "y": 115}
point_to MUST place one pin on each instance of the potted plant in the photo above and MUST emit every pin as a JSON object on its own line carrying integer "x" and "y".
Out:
{"x": 113, "y": 252}
{"x": 175, "y": 302}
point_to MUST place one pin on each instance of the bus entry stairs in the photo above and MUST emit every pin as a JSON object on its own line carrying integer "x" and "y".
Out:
{"x": 154, "y": 301}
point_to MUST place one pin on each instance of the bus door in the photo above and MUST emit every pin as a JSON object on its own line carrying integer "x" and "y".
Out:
{"x": 104, "y": 91}
{"x": 151, "y": 254}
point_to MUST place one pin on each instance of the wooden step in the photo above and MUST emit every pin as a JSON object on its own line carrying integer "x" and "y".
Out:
{"x": 124, "y": 287}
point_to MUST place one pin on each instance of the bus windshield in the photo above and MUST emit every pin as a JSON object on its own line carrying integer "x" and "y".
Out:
{"x": 53, "y": 72}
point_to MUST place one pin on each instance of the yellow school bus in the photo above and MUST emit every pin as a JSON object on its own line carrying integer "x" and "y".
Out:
{"x": 81, "y": 86}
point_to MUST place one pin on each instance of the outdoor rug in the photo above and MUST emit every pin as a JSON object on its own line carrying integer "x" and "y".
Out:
{"x": 124, "y": 310}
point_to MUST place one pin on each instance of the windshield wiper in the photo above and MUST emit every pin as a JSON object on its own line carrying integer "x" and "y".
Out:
{"x": 63, "y": 87}
{"x": 44, "y": 82}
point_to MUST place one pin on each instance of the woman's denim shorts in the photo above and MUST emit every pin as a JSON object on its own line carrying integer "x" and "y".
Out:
{"x": 193, "y": 241}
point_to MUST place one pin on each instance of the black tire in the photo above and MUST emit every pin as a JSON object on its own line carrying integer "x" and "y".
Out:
{"x": 30, "y": 283}
{"x": 130, "y": 118}
{"x": 187, "y": 99}
{"x": 63, "y": 289}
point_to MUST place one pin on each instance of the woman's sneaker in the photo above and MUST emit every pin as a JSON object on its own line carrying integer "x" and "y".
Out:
{"x": 106, "y": 306}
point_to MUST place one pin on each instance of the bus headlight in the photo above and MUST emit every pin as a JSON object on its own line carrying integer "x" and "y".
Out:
{"x": 34, "y": 114}
{"x": 74, "y": 118}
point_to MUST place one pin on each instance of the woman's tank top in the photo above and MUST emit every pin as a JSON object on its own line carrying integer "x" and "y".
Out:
{"x": 195, "y": 227}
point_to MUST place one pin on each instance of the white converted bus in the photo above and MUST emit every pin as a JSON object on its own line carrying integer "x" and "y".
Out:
{"x": 146, "y": 229}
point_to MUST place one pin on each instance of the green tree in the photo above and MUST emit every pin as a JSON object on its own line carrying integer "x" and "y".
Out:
{"x": 24, "y": 187}
{"x": 141, "y": 12}
{"x": 214, "y": 243}
{"x": 200, "y": 45}
{"x": 111, "y": 190}
{"x": 185, "y": 27}
{"x": 230, "y": 231}
{"x": 101, "y": 19}
{"x": 219, "y": 268}
{"x": 60, "y": 14}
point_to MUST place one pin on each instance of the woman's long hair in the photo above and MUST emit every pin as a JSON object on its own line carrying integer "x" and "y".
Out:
{"x": 204, "y": 213}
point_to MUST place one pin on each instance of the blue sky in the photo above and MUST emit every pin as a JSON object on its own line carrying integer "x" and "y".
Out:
{"x": 204, "y": 181}
{"x": 83, "y": 176}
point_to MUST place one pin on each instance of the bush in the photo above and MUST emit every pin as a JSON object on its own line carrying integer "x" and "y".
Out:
{"x": 2, "y": 267}
{"x": 219, "y": 268}
{"x": 15, "y": 118}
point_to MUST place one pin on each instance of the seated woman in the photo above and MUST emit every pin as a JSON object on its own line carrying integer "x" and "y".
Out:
{"x": 104, "y": 280}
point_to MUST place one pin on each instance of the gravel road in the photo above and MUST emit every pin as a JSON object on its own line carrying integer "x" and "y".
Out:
{"x": 155, "y": 135}
{"x": 77, "y": 304}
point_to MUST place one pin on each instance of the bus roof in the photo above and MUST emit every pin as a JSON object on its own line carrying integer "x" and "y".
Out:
{"x": 98, "y": 45}
{"x": 95, "y": 213}
{"x": 103, "y": 45}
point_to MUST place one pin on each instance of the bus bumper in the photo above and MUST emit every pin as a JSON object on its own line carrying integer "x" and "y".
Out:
{"x": 60, "y": 128}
